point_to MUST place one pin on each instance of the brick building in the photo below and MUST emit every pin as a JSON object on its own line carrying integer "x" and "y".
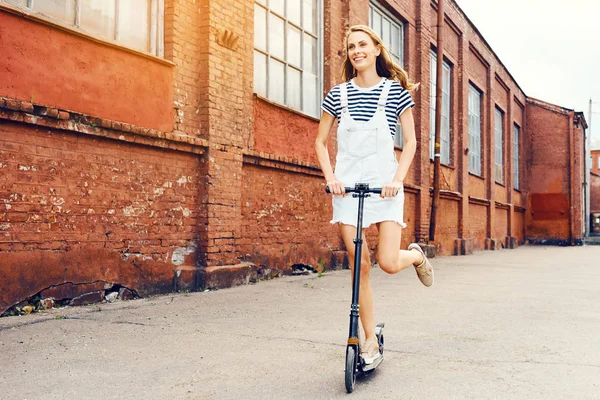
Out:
{"x": 176, "y": 150}
{"x": 595, "y": 182}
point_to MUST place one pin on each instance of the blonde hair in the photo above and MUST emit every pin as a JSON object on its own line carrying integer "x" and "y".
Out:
{"x": 385, "y": 65}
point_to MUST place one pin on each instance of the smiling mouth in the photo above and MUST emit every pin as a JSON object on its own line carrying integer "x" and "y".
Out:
{"x": 359, "y": 59}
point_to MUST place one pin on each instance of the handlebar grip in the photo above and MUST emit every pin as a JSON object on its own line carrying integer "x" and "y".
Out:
{"x": 347, "y": 189}
{"x": 353, "y": 190}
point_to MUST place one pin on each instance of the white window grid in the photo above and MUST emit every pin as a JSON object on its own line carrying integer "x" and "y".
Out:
{"x": 498, "y": 144}
{"x": 445, "y": 131}
{"x": 474, "y": 130}
{"x": 277, "y": 65}
{"x": 516, "y": 134}
{"x": 156, "y": 21}
{"x": 391, "y": 31}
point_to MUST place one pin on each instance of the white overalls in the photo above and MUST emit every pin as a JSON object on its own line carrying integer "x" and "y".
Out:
{"x": 366, "y": 155}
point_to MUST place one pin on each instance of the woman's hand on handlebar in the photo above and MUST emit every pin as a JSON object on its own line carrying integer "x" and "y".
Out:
{"x": 336, "y": 187}
{"x": 391, "y": 189}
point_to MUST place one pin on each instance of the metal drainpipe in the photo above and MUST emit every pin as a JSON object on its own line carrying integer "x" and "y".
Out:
{"x": 438, "y": 121}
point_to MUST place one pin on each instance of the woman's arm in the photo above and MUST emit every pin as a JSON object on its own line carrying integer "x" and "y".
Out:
{"x": 408, "y": 153}
{"x": 325, "y": 125}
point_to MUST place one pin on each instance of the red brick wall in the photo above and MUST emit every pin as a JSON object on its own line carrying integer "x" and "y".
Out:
{"x": 285, "y": 218}
{"x": 477, "y": 225}
{"x": 82, "y": 209}
{"x": 519, "y": 198}
{"x": 447, "y": 225}
{"x": 577, "y": 177}
{"x": 462, "y": 45}
{"x": 187, "y": 45}
{"x": 500, "y": 190}
{"x": 451, "y": 42}
{"x": 333, "y": 38}
{"x": 476, "y": 187}
{"x": 595, "y": 162}
{"x": 452, "y": 45}
{"x": 548, "y": 202}
{"x": 500, "y": 95}
{"x": 284, "y": 132}
{"x": 501, "y": 223}
{"x": 230, "y": 122}
{"x": 95, "y": 78}
{"x": 410, "y": 218}
{"x": 594, "y": 193}
{"x": 519, "y": 227}
{"x": 477, "y": 70}
{"x": 518, "y": 114}
{"x": 595, "y": 182}
{"x": 204, "y": 103}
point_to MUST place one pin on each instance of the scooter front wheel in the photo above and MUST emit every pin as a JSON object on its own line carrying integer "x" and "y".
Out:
{"x": 350, "y": 368}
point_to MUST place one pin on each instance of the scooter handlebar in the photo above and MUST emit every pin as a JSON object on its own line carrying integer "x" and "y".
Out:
{"x": 354, "y": 190}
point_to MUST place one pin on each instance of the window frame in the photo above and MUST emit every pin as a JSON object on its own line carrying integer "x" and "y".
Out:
{"x": 475, "y": 151}
{"x": 445, "y": 134}
{"x": 318, "y": 35}
{"x": 516, "y": 150}
{"x": 156, "y": 26}
{"x": 499, "y": 115}
{"x": 374, "y": 6}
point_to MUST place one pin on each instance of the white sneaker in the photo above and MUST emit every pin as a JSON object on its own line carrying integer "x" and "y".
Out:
{"x": 424, "y": 269}
{"x": 370, "y": 351}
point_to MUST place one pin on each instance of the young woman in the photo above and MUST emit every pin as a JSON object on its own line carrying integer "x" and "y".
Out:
{"x": 367, "y": 106}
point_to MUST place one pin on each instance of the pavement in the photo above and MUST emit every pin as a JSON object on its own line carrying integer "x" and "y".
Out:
{"x": 507, "y": 324}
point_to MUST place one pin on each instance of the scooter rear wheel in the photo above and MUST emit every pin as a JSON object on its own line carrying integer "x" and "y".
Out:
{"x": 350, "y": 368}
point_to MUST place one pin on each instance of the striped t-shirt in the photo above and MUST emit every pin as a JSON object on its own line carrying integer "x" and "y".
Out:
{"x": 362, "y": 102}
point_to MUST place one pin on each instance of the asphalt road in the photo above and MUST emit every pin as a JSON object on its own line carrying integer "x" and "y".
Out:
{"x": 509, "y": 324}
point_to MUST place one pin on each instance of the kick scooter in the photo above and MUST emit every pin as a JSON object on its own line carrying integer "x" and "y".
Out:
{"x": 354, "y": 362}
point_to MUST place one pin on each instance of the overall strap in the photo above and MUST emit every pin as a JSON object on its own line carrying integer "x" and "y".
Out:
{"x": 344, "y": 96}
{"x": 384, "y": 94}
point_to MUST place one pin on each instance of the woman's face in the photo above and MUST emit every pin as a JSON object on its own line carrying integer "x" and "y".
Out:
{"x": 362, "y": 52}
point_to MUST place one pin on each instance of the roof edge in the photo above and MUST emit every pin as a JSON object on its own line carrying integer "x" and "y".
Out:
{"x": 581, "y": 117}
{"x": 549, "y": 106}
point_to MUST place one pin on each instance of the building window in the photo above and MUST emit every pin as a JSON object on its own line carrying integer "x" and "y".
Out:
{"x": 516, "y": 157}
{"x": 498, "y": 144}
{"x": 474, "y": 130}
{"x": 391, "y": 31}
{"x": 445, "y": 132}
{"x": 134, "y": 23}
{"x": 286, "y": 53}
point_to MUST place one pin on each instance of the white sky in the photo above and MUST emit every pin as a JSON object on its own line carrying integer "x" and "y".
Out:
{"x": 550, "y": 47}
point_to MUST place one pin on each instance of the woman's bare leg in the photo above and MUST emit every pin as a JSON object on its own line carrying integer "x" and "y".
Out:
{"x": 391, "y": 259}
{"x": 365, "y": 299}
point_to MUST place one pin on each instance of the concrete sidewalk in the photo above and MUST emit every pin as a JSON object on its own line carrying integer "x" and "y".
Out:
{"x": 509, "y": 324}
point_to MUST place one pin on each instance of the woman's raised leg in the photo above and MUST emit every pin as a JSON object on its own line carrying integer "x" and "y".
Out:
{"x": 391, "y": 259}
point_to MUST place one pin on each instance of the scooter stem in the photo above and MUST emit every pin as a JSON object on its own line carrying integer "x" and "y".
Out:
{"x": 361, "y": 193}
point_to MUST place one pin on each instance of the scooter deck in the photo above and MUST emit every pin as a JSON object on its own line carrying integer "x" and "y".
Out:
{"x": 372, "y": 366}
{"x": 375, "y": 364}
